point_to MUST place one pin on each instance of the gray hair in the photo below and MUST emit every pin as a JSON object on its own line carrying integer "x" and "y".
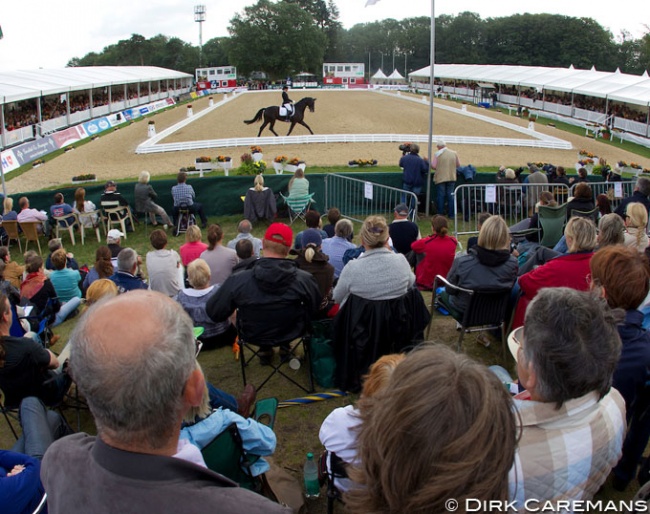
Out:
{"x": 244, "y": 227}
{"x": 571, "y": 341}
{"x": 611, "y": 230}
{"x": 127, "y": 259}
{"x": 643, "y": 185}
{"x": 144, "y": 177}
{"x": 343, "y": 228}
{"x": 135, "y": 398}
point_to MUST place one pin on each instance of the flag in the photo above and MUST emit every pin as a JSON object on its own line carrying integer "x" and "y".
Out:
{"x": 371, "y": 2}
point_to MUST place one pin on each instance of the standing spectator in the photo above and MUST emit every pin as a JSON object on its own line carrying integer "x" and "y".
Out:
{"x": 163, "y": 266}
{"x": 220, "y": 259}
{"x": 103, "y": 267}
{"x": 183, "y": 194}
{"x": 144, "y": 200}
{"x": 125, "y": 277}
{"x": 244, "y": 232}
{"x": 439, "y": 250}
{"x": 65, "y": 280}
{"x": 335, "y": 247}
{"x": 85, "y": 209}
{"x": 445, "y": 163}
{"x": 333, "y": 216}
{"x": 403, "y": 232}
{"x": 61, "y": 209}
{"x": 414, "y": 173}
{"x": 13, "y": 271}
{"x": 193, "y": 247}
{"x": 27, "y": 214}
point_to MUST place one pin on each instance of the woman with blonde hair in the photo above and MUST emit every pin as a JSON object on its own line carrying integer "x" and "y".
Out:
{"x": 439, "y": 250}
{"x": 443, "y": 428}
{"x": 258, "y": 183}
{"x": 636, "y": 221}
{"x": 260, "y": 203}
{"x": 99, "y": 289}
{"x": 8, "y": 212}
{"x": 193, "y": 247}
{"x": 380, "y": 273}
{"x": 299, "y": 185}
{"x": 311, "y": 259}
{"x": 338, "y": 433}
{"x": 145, "y": 195}
{"x": 85, "y": 208}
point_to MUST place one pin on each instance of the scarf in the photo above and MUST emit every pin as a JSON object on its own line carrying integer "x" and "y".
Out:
{"x": 32, "y": 284}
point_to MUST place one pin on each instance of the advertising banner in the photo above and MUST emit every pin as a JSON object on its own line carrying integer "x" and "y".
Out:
{"x": 96, "y": 126}
{"x": 70, "y": 135}
{"x": 28, "y": 152}
{"x": 9, "y": 161}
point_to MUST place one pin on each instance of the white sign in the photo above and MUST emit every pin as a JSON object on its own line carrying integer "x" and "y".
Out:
{"x": 618, "y": 190}
{"x": 367, "y": 190}
{"x": 490, "y": 194}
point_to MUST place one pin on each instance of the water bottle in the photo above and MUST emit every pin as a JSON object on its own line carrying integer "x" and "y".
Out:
{"x": 310, "y": 474}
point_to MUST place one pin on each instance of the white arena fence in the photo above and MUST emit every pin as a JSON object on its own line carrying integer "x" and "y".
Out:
{"x": 357, "y": 199}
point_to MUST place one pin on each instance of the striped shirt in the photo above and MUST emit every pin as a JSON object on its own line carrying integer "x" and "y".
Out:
{"x": 183, "y": 193}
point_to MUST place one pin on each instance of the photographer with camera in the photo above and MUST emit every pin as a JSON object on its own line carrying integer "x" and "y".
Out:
{"x": 415, "y": 170}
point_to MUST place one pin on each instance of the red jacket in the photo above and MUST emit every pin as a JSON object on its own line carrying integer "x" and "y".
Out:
{"x": 571, "y": 270}
{"x": 439, "y": 252}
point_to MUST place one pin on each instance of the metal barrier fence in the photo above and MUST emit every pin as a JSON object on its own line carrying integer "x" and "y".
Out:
{"x": 357, "y": 199}
{"x": 615, "y": 191}
{"x": 514, "y": 202}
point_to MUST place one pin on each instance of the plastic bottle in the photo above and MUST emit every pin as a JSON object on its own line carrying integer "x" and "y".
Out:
{"x": 310, "y": 475}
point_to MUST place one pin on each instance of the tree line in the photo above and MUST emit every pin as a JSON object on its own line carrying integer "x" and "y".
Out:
{"x": 290, "y": 36}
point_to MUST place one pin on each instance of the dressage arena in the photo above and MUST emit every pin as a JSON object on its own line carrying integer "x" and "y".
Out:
{"x": 221, "y": 129}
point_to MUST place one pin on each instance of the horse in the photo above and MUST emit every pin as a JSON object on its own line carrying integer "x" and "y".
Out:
{"x": 272, "y": 114}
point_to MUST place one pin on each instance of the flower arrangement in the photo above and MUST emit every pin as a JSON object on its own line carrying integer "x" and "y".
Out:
{"x": 203, "y": 159}
{"x": 94, "y": 137}
{"x": 87, "y": 176}
{"x": 363, "y": 162}
{"x": 295, "y": 161}
{"x": 256, "y": 149}
{"x": 246, "y": 158}
{"x": 38, "y": 162}
{"x": 189, "y": 106}
{"x": 249, "y": 166}
{"x": 151, "y": 122}
{"x": 635, "y": 165}
{"x": 585, "y": 162}
{"x": 68, "y": 148}
{"x": 622, "y": 164}
{"x": 188, "y": 168}
{"x": 586, "y": 154}
{"x": 281, "y": 159}
{"x": 261, "y": 167}
{"x": 223, "y": 158}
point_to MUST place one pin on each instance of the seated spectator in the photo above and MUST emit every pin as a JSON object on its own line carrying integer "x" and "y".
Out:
{"x": 100, "y": 288}
{"x": 563, "y": 270}
{"x": 582, "y": 177}
{"x": 203, "y": 424}
{"x": 333, "y": 216}
{"x": 244, "y": 251}
{"x": 110, "y": 196}
{"x": 298, "y": 185}
{"x": 65, "y": 280}
{"x": 61, "y": 209}
{"x": 439, "y": 250}
{"x": 480, "y": 219}
{"x": 546, "y": 198}
{"x": 27, "y": 214}
{"x": 379, "y": 273}
{"x": 621, "y": 276}
{"x": 260, "y": 202}
{"x": 583, "y": 200}
{"x": 560, "y": 177}
{"x": 311, "y": 259}
{"x": 183, "y": 194}
{"x": 7, "y": 288}
{"x": 53, "y": 245}
{"x": 572, "y": 420}
{"x": 103, "y": 267}
{"x": 13, "y": 271}
{"x": 113, "y": 239}
{"x": 135, "y": 459}
{"x": 220, "y": 259}
{"x": 163, "y": 265}
{"x": 125, "y": 277}
{"x": 338, "y": 433}
{"x": 460, "y": 443}
{"x": 244, "y": 229}
{"x": 636, "y": 221}
{"x": 640, "y": 195}
{"x": 27, "y": 368}
{"x": 611, "y": 230}
{"x": 489, "y": 265}
{"x": 193, "y": 247}
{"x": 403, "y": 232}
{"x": 335, "y": 247}
{"x": 8, "y": 213}
{"x": 312, "y": 221}
{"x": 85, "y": 208}
{"x": 603, "y": 204}
{"x": 145, "y": 197}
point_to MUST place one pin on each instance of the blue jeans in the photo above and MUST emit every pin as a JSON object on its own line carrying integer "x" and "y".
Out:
{"x": 219, "y": 398}
{"x": 413, "y": 189}
{"x": 445, "y": 190}
{"x": 561, "y": 246}
{"x": 41, "y": 427}
{"x": 66, "y": 309}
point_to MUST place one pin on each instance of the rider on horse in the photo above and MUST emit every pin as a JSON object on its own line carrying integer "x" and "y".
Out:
{"x": 287, "y": 102}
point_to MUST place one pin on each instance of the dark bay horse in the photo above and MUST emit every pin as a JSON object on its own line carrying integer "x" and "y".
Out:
{"x": 272, "y": 114}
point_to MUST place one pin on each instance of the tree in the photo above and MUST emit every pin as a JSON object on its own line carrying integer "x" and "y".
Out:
{"x": 278, "y": 38}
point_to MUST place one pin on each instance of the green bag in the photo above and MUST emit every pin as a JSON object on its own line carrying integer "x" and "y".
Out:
{"x": 321, "y": 352}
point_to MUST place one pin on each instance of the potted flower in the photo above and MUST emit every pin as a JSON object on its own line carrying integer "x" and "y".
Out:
{"x": 204, "y": 163}
{"x": 38, "y": 162}
{"x": 279, "y": 163}
{"x": 293, "y": 164}
{"x": 68, "y": 148}
{"x": 225, "y": 163}
{"x": 256, "y": 152}
{"x": 604, "y": 132}
{"x": 88, "y": 177}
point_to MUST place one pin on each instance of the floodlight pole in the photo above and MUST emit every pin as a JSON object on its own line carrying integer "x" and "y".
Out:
{"x": 199, "y": 17}
{"x": 430, "y": 142}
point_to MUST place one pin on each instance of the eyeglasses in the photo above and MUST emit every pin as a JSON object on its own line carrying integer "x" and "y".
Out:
{"x": 199, "y": 345}
{"x": 518, "y": 337}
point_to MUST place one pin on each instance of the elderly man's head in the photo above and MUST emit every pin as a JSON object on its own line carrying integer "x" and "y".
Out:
{"x": 127, "y": 260}
{"x": 244, "y": 227}
{"x": 139, "y": 378}
{"x": 570, "y": 346}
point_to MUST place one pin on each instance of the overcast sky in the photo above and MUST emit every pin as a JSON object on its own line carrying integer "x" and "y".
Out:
{"x": 48, "y": 33}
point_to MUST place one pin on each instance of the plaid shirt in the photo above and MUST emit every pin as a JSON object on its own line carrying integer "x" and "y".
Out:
{"x": 567, "y": 453}
{"x": 183, "y": 193}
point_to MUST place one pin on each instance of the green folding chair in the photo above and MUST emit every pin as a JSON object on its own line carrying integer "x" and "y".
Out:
{"x": 551, "y": 221}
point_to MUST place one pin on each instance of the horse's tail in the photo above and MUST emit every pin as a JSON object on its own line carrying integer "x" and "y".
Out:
{"x": 257, "y": 117}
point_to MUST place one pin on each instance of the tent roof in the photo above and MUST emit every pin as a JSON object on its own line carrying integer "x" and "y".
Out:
{"x": 395, "y": 75}
{"x": 617, "y": 86}
{"x": 21, "y": 85}
{"x": 379, "y": 75}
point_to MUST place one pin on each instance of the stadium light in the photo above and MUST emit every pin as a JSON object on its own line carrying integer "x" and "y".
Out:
{"x": 199, "y": 17}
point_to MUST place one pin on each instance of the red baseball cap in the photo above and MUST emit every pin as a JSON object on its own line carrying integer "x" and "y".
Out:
{"x": 279, "y": 233}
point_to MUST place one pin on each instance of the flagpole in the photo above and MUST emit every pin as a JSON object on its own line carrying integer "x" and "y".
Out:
{"x": 431, "y": 63}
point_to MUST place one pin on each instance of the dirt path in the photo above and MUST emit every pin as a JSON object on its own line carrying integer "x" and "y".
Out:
{"x": 113, "y": 156}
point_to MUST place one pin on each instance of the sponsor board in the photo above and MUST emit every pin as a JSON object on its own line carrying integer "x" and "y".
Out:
{"x": 69, "y": 136}
{"x": 9, "y": 161}
{"x": 28, "y": 152}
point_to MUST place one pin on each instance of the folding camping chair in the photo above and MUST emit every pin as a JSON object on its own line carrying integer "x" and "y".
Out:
{"x": 298, "y": 206}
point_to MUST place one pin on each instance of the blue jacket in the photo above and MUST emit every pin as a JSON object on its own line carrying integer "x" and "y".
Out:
{"x": 127, "y": 282}
{"x": 22, "y": 492}
{"x": 415, "y": 169}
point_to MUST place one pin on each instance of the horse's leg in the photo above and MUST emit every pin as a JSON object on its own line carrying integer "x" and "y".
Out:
{"x": 293, "y": 124}
{"x": 271, "y": 128}
{"x": 306, "y": 126}
{"x": 266, "y": 122}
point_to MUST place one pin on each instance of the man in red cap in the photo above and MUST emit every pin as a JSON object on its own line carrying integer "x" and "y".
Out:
{"x": 268, "y": 294}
